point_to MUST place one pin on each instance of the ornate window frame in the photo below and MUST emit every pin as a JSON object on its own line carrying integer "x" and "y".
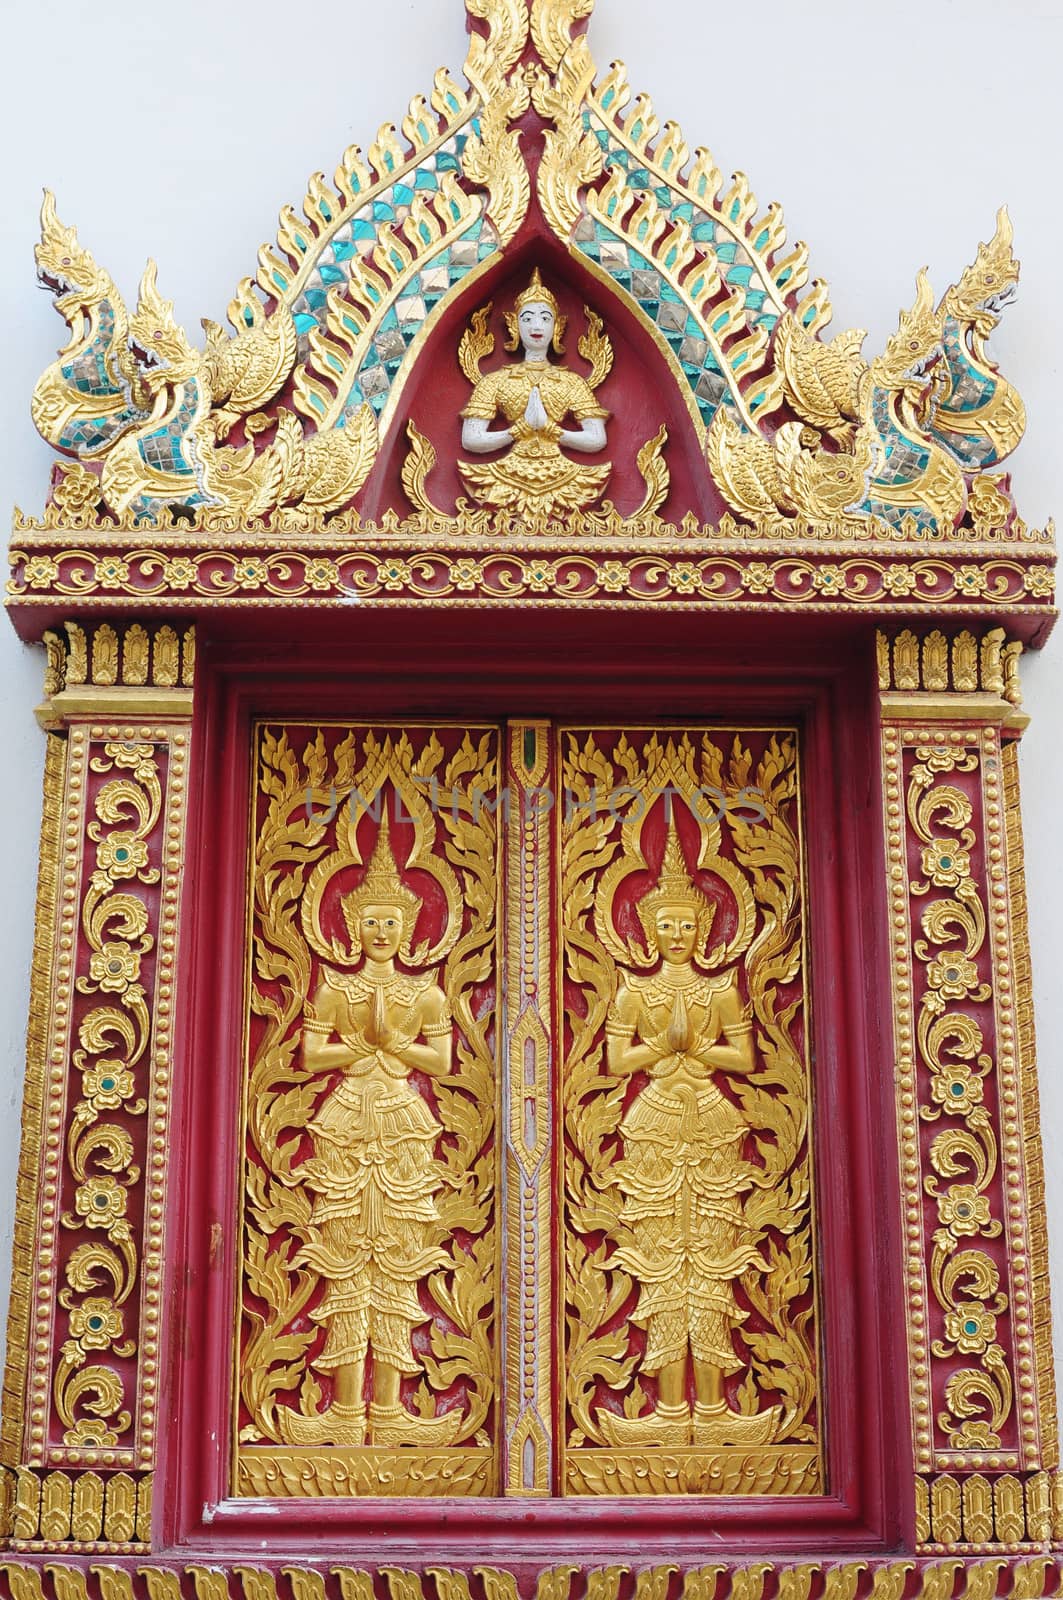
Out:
{"x": 929, "y": 587}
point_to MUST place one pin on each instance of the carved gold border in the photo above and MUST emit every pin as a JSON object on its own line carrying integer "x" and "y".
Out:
{"x": 27, "y": 1186}
{"x": 725, "y": 574}
{"x": 1028, "y": 1578}
{"x": 1030, "y": 1112}
{"x": 58, "y": 1504}
{"x": 528, "y": 1177}
{"x": 961, "y": 694}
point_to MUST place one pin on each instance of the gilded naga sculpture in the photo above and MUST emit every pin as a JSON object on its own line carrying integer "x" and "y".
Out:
{"x": 682, "y": 1172}
{"x": 375, "y": 1230}
{"x": 536, "y": 397}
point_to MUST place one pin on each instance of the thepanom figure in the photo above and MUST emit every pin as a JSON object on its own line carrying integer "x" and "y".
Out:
{"x": 375, "y": 1228}
{"x": 682, "y": 1172}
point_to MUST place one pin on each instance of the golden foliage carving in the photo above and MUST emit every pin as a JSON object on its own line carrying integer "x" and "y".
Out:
{"x": 924, "y": 1579}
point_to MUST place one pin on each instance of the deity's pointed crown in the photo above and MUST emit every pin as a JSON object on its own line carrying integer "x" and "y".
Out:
{"x": 675, "y": 887}
{"x": 537, "y": 294}
{"x": 381, "y": 885}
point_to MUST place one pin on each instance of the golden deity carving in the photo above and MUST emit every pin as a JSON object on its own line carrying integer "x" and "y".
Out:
{"x": 682, "y": 1173}
{"x": 367, "y": 1346}
{"x": 690, "y": 1347}
{"x": 536, "y": 397}
{"x": 375, "y": 1230}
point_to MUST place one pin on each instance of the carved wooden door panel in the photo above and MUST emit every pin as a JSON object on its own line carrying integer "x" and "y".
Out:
{"x": 368, "y": 1356}
{"x": 527, "y": 1199}
{"x": 690, "y": 1352}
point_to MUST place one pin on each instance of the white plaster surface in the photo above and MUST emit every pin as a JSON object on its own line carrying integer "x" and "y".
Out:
{"x": 890, "y": 133}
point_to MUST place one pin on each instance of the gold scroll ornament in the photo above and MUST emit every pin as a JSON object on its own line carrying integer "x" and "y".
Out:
{"x": 690, "y": 1343}
{"x": 367, "y": 1362}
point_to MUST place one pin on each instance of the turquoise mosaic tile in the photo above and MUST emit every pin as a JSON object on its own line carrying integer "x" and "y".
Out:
{"x": 333, "y": 264}
{"x": 666, "y": 309}
{"x": 403, "y": 321}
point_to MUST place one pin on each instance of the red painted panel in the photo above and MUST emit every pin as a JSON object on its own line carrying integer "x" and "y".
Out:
{"x": 586, "y": 669}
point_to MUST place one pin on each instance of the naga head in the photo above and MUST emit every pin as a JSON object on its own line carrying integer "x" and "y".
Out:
{"x": 989, "y": 284}
{"x": 157, "y": 340}
{"x": 905, "y": 366}
{"x": 64, "y": 267}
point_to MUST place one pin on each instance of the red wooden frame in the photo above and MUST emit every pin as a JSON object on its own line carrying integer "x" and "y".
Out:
{"x": 561, "y": 664}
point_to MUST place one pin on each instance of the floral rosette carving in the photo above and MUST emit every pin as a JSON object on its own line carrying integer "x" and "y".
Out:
{"x": 315, "y": 813}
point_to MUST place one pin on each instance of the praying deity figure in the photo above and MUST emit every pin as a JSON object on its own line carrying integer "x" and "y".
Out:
{"x": 375, "y": 1230}
{"x": 536, "y": 397}
{"x": 683, "y": 1174}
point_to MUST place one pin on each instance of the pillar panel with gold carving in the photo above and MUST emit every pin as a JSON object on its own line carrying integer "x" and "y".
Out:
{"x": 528, "y": 1103}
{"x": 83, "y": 1366}
{"x": 983, "y": 1403}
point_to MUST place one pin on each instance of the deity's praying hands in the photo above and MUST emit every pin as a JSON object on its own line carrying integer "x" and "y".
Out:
{"x": 535, "y": 413}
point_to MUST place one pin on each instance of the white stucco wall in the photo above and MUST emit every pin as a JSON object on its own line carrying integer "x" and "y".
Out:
{"x": 890, "y": 133}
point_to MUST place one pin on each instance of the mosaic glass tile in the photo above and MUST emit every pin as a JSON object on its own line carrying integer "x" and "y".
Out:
{"x": 435, "y": 279}
{"x": 612, "y": 253}
{"x": 412, "y": 309}
{"x": 664, "y": 306}
{"x": 463, "y": 253}
{"x": 374, "y": 381}
{"x": 392, "y": 339}
{"x": 390, "y": 343}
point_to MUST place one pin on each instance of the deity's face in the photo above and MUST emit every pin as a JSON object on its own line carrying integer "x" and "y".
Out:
{"x": 380, "y": 931}
{"x": 536, "y": 324}
{"x": 676, "y": 933}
